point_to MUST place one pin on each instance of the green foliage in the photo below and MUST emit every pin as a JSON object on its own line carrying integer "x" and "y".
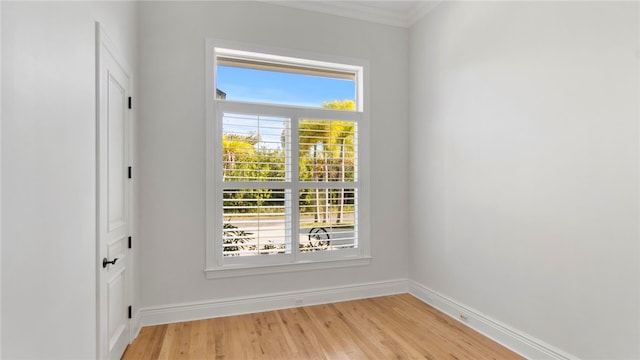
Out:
{"x": 234, "y": 236}
{"x": 243, "y": 161}
{"x": 235, "y": 239}
{"x": 326, "y": 153}
{"x": 340, "y": 105}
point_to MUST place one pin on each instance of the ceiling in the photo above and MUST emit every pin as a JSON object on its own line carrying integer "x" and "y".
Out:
{"x": 397, "y": 13}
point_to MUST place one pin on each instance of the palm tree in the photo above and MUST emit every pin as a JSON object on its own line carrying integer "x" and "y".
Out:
{"x": 324, "y": 142}
{"x": 345, "y": 132}
{"x": 313, "y": 135}
{"x": 233, "y": 147}
{"x": 342, "y": 136}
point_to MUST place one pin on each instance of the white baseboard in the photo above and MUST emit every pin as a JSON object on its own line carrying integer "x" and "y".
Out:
{"x": 245, "y": 305}
{"x": 521, "y": 343}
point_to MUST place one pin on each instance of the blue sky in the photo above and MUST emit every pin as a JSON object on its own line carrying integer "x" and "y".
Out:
{"x": 282, "y": 88}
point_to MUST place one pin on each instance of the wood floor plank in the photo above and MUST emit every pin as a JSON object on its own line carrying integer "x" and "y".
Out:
{"x": 434, "y": 344}
{"x": 150, "y": 340}
{"x": 375, "y": 340}
{"x": 426, "y": 347}
{"x": 235, "y": 338}
{"x": 304, "y": 340}
{"x": 168, "y": 343}
{"x": 215, "y": 340}
{"x": 334, "y": 334}
{"x": 389, "y": 327}
{"x": 181, "y": 351}
{"x": 197, "y": 341}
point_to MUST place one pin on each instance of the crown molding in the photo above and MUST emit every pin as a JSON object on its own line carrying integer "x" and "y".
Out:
{"x": 372, "y": 11}
{"x": 421, "y": 10}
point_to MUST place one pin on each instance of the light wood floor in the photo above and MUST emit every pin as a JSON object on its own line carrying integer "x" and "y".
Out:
{"x": 390, "y": 327}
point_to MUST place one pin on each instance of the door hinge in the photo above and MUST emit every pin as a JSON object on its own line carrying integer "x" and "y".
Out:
{"x": 129, "y": 172}
{"x": 129, "y": 102}
{"x": 129, "y": 311}
{"x": 129, "y": 242}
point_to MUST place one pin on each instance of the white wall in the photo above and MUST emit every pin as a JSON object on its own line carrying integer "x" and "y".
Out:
{"x": 524, "y": 167}
{"x": 171, "y": 141}
{"x": 0, "y": 179}
{"x": 48, "y": 173}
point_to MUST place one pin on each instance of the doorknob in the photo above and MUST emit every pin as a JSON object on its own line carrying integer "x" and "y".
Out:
{"x": 106, "y": 262}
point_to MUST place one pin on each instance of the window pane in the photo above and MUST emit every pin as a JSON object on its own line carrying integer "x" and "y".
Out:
{"x": 256, "y": 222}
{"x": 255, "y": 148}
{"x": 327, "y": 150}
{"x": 327, "y": 219}
{"x": 281, "y": 87}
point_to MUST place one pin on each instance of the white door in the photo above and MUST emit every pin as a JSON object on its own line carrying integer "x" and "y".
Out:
{"x": 114, "y": 196}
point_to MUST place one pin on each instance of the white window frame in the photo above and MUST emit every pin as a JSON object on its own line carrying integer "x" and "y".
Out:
{"x": 218, "y": 266}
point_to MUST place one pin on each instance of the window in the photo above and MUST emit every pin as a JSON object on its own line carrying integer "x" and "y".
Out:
{"x": 287, "y": 161}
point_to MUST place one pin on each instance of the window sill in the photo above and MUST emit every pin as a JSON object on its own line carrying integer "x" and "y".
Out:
{"x": 229, "y": 271}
